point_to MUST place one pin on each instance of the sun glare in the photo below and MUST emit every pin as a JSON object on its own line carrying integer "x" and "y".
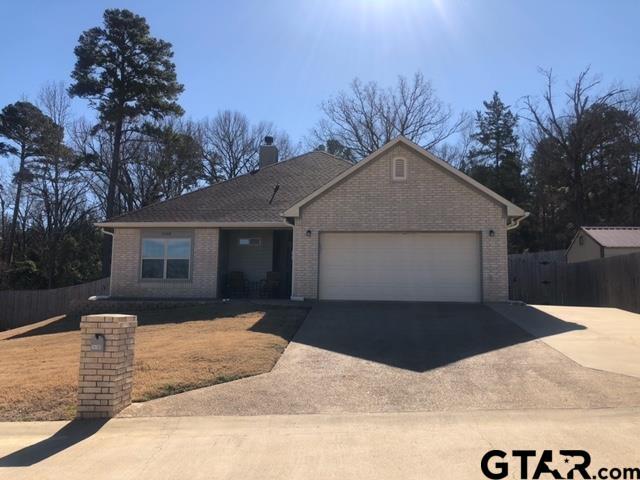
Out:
{"x": 414, "y": 12}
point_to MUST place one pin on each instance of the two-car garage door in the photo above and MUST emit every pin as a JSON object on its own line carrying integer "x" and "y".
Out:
{"x": 400, "y": 266}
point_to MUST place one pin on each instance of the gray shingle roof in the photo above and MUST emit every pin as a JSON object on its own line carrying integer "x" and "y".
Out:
{"x": 246, "y": 198}
{"x": 615, "y": 237}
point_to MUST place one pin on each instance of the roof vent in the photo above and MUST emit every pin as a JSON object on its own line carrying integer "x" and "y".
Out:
{"x": 268, "y": 153}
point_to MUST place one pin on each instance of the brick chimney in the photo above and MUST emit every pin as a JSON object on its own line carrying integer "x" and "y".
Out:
{"x": 268, "y": 153}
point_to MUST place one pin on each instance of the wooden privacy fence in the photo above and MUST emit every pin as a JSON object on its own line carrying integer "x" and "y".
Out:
{"x": 22, "y": 307}
{"x": 606, "y": 282}
{"x": 530, "y": 275}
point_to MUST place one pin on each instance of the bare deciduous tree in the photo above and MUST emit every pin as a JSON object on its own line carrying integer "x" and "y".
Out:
{"x": 369, "y": 116}
{"x": 455, "y": 152}
{"x": 573, "y": 129}
{"x": 231, "y": 144}
{"x": 93, "y": 149}
{"x": 94, "y": 146}
{"x": 57, "y": 190}
{"x": 54, "y": 100}
{"x": 169, "y": 162}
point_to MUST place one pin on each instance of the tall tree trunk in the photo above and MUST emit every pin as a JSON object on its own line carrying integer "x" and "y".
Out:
{"x": 578, "y": 189}
{"x": 16, "y": 209}
{"x": 2, "y": 220}
{"x": 51, "y": 263}
{"x": 114, "y": 174}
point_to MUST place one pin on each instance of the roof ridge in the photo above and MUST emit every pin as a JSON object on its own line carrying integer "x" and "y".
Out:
{"x": 348, "y": 162}
{"x": 611, "y": 228}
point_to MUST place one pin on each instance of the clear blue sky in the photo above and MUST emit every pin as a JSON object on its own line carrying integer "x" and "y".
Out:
{"x": 277, "y": 60}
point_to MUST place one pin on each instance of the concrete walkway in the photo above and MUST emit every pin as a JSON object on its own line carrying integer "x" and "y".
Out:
{"x": 388, "y": 446}
{"x": 606, "y": 339}
{"x": 374, "y": 358}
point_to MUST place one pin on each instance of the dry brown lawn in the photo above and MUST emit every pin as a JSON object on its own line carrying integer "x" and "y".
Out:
{"x": 176, "y": 350}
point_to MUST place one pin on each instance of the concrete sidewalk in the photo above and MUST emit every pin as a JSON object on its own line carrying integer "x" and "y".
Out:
{"x": 607, "y": 339}
{"x": 381, "y": 446}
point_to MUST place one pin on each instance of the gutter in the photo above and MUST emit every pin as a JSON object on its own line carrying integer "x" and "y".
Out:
{"x": 104, "y": 297}
{"x": 247, "y": 225}
{"x": 512, "y": 225}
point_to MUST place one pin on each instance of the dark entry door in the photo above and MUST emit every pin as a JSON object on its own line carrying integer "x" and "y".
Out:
{"x": 282, "y": 248}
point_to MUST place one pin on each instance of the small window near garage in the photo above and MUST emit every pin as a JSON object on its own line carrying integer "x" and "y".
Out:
{"x": 581, "y": 240}
{"x": 250, "y": 242}
{"x": 166, "y": 258}
{"x": 399, "y": 169}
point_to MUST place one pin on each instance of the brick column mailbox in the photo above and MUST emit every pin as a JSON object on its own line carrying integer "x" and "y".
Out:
{"x": 106, "y": 364}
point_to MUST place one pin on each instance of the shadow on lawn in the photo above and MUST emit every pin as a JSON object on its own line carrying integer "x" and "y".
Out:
{"x": 72, "y": 433}
{"x": 275, "y": 321}
{"x": 283, "y": 322}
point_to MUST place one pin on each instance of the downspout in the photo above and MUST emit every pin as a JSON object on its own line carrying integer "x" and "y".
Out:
{"x": 516, "y": 223}
{"x": 512, "y": 225}
{"x": 103, "y": 230}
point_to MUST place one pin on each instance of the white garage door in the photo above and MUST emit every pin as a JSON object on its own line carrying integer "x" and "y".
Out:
{"x": 434, "y": 267}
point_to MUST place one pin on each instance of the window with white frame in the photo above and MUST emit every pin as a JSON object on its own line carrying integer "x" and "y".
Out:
{"x": 399, "y": 169}
{"x": 166, "y": 258}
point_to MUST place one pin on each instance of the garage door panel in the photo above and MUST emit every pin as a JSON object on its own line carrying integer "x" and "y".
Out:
{"x": 400, "y": 266}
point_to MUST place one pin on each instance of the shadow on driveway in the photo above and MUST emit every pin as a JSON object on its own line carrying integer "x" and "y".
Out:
{"x": 415, "y": 336}
{"x": 401, "y": 357}
{"x": 72, "y": 433}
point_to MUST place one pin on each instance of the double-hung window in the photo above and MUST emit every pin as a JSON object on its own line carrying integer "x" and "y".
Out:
{"x": 166, "y": 258}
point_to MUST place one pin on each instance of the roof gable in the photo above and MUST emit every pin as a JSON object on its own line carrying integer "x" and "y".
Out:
{"x": 512, "y": 209}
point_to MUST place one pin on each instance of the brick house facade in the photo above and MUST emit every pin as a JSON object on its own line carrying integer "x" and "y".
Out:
{"x": 438, "y": 203}
{"x": 126, "y": 260}
{"x": 307, "y": 197}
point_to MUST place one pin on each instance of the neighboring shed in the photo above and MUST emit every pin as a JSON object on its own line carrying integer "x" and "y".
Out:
{"x": 591, "y": 243}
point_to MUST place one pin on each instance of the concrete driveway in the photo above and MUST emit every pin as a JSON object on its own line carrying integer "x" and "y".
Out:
{"x": 609, "y": 338}
{"x": 373, "y": 358}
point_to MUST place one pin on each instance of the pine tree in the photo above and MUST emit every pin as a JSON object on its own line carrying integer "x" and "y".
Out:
{"x": 31, "y": 134}
{"x": 126, "y": 74}
{"x": 494, "y": 159}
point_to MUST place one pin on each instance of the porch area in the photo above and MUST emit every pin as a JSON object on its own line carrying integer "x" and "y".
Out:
{"x": 255, "y": 263}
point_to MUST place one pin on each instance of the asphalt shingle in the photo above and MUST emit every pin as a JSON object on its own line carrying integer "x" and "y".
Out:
{"x": 246, "y": 198}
